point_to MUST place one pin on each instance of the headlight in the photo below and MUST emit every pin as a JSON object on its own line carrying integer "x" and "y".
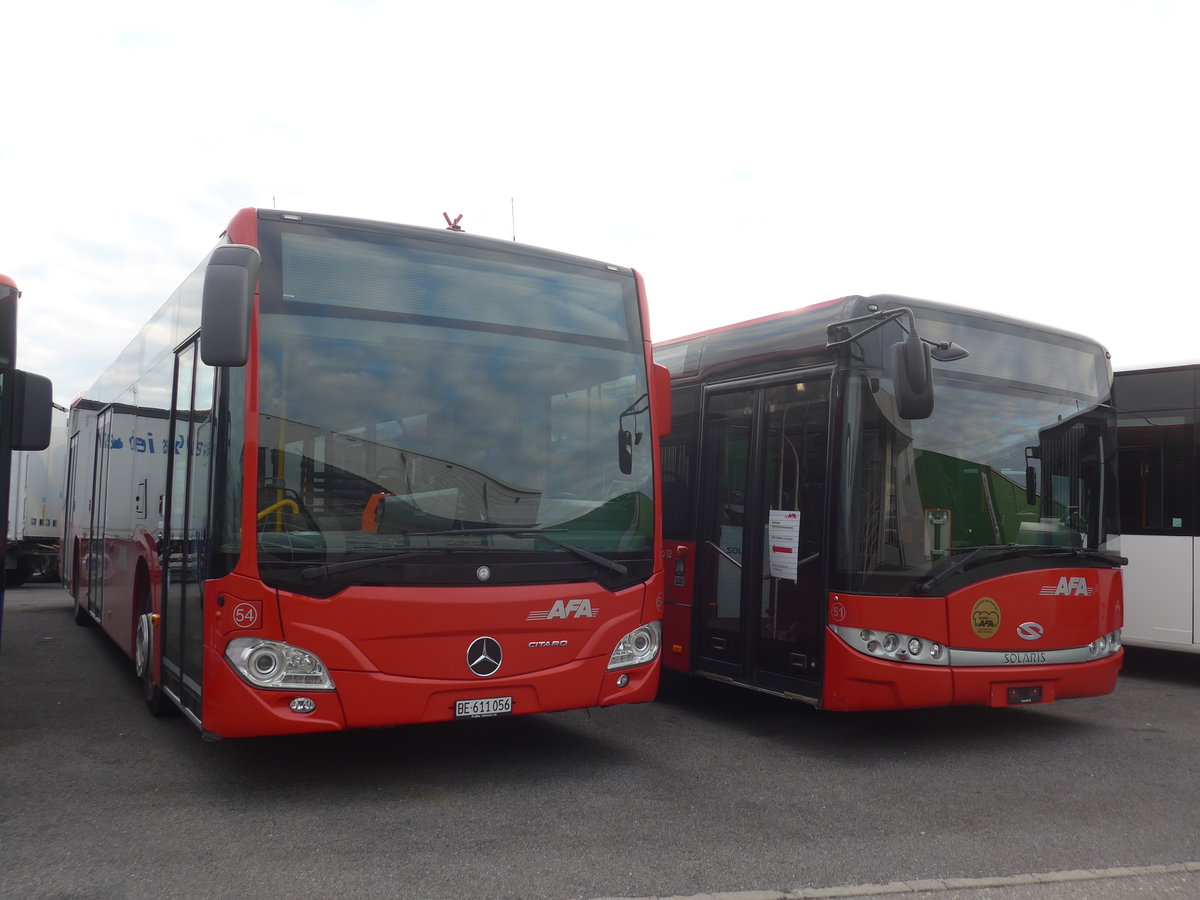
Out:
{"x": 272, "y": 664}
{"x": 639, "y": 646}
{"x": 894, "y": 646}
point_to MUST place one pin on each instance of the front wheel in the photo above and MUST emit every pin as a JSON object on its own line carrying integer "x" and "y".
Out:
{"x": 144, "y": 647}
{"x": 81, "y": 614}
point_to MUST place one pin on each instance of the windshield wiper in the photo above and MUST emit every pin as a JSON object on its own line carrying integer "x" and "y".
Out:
{"x": 534, "y": 531}
{"x": 961, "y": 562}
{"x": 312, "y": 572}
{"x": 1113, "y": 559}
{"x": 958, "y": 564}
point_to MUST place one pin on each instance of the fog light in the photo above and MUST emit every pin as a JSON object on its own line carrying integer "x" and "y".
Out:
{"x": 914, "y": 646}
{"x": 890, "y": 643}
{"x": 303, "y": 705}
{"x": 622, "y": 681}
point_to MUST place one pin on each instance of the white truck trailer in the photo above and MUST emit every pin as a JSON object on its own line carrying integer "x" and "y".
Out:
{"x": 35, "y": 508}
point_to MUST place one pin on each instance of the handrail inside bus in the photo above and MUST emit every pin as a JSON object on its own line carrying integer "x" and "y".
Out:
{"x": 724, "y": 554}
{"x": 280, "y": 504}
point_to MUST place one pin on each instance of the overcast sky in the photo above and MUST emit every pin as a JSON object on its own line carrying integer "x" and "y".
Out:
{"x": 1040, "y": 159}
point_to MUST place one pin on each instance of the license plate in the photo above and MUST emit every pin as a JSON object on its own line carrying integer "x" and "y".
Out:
{"x": 488, "y": 706}
{"x": 1025, "y": 694}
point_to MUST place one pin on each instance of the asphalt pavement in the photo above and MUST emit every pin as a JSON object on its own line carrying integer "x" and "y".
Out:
{"x": 711, "y": 793}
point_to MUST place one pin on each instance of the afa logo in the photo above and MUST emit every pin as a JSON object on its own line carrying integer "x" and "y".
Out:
{"x": 571, "y": 609}
{"x": 985, "y": 617}
{"x": 1074, "y": 586}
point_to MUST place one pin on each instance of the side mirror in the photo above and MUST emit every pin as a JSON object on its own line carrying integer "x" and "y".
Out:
{"x": 625, "y": 450}
{"x": 33, "y": 398}
{"x": 1031, "y": 478}
{"x": 661, "y": 387}
{"x": 912, "y": 371}
{"x": 229, "y": 282}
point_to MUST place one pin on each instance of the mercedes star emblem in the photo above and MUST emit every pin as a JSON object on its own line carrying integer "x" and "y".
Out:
{"x": 484, "y": 656}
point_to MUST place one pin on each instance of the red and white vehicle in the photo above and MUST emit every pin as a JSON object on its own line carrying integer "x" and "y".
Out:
{"x": 881, "y": 503}
{"x": 356, "y": 474}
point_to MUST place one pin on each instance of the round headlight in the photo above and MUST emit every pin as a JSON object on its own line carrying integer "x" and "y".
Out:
{"x": 890, "y": 643}
{"x": 263, "y": 663}
{"x": 935, "y": 651}
{"x": 914, "y": 647}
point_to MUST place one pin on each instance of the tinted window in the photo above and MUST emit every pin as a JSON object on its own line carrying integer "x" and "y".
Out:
{"x": 1136, "y": 391}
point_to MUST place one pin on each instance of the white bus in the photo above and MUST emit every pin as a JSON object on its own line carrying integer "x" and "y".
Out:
{"x": 1158, "y": 453}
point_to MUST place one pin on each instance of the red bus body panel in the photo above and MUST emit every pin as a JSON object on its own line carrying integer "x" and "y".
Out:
{"x": 1063, "y": 601}
{"x": 400, "y": 654}
{"x": 679, "y": 576}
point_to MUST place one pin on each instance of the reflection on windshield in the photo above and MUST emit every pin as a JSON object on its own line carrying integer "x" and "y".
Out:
{"x": 372, "y": 433}
{"x": 995, "y": 465}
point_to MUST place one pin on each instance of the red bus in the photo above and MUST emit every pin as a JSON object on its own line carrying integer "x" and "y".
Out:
{"x": 882, "y": 503}
{"x": 25, "y": 402}
{"x": 359, "y": 474}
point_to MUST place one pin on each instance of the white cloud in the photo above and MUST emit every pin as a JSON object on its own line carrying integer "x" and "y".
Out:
{"x": 1036, "y": 159}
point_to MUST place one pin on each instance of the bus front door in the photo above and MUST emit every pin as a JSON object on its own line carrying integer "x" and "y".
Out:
{"x": 184, "y": 551}
{"x": 95, "y": 548}
{"x": 761, "y": 553}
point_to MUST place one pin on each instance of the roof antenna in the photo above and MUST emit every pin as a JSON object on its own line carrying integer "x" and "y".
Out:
{"x": 452, "y": 226}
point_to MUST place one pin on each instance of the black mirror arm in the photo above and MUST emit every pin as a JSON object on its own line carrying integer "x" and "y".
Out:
{"x": 839, "y": 332}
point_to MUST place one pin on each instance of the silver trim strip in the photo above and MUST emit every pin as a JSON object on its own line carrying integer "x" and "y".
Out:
{"x": 1009, "y": 658}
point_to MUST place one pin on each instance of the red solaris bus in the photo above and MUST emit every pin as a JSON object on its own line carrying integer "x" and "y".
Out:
{"x": 882, "y": 503}
{"x": 411, "y": 477}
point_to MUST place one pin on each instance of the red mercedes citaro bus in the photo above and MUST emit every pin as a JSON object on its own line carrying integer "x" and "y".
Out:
{"x": 884, "y": 503}
{"x": 356, "y": 474}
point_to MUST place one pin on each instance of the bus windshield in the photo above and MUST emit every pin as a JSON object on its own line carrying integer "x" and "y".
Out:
{"x": 427, "y": 406}
{"x": 1019, "y": 453}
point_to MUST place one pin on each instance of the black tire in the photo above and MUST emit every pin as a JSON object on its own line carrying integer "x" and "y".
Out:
{"x": 81, "y": 615}
{"x": 145, "y": 646}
